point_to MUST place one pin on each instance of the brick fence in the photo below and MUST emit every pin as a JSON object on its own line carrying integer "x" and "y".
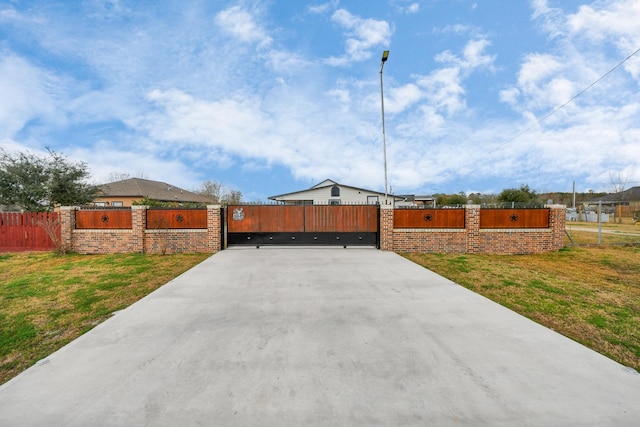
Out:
{"x": 471, "y": 237}
{"x": 139, "y": 238}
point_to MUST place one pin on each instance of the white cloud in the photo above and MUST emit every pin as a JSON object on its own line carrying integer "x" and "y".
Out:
{"x": 403, "y": 97}
{"x": 323, "y": 7}
{"x": 552, "y": 20}
{"x": 618, "y": 18}
{"x": 444, "y": 87}
{"x": 473, "y": 56}
{"x": 616, "y": 23}
{"x": 181, "y": 112}
{"x": 362, "y": 36}
{"x": 28, "y": 93}
{"x": 241, "y": 24}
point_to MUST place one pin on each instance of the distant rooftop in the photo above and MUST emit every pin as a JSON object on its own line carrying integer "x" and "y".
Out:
{"x": 144, "y": 188}
{"x": 630, "y": 195}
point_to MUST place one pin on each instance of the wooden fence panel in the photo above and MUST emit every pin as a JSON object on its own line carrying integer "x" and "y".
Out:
{"x": 341, "y": 218}
{"x": 428, "y": 218}
{"x": 176, "y": 218}
{"x": 103, "y": 219}
{"x": 265, "y": 218}
{"x": 514, "y": 218}
{"x": 26, "y": 231}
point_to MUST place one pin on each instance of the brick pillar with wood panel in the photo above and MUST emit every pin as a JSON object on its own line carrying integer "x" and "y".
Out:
{"x": 138, "y": 227}
{"x": 472, "y": 226}
{"x": 67, "y": 225}
{"x": 557, "y": 223}
{"x": 214, "y": 228}
{"x": 386, "y": 227}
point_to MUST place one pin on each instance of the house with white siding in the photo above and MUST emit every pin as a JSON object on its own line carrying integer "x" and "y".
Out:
{"x": 329, "y": 192}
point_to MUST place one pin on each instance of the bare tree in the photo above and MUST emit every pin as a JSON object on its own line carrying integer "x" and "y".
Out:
{"x": 118, "y": 176}
{"x": 219, "y": 193}
{"x": 212, "y": 190}
{"x": 121, "y": 176}
{"x": 50, "y": 223}
{"x": 618, "y": 184}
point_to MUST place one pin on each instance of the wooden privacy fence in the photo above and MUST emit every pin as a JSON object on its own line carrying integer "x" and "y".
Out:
{"x": 176, "y": 218}
{"x": 302, "y": 218}
{"x": 121, "y": 219}
{"x": 26, "y": 231}
{"x": 302, "y": 225}
{"x": 514, "y": 218}
{"x": 104, "y": 219}
{"x": 428, "y": 218}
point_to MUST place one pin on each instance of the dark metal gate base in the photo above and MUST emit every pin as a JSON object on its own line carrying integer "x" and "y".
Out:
{"x": 322, "y": 239}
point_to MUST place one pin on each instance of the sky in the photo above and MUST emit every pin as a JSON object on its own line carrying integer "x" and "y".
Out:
{"x": 271, "y": 97}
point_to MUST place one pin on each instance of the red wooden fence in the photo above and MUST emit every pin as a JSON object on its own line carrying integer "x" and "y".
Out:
{"x": 302, "y": 218}
{"x": 103, "y": 219}
{"x": 176, "y": 218}
{"x": 26, "y": 232}
{"x": 341, "y": 218}
{"x": 265, "y": 218}
{"x": 514, "y": 218}
{"x": 428, "y": 218}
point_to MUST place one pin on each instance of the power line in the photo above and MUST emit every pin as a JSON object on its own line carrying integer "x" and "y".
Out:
{"x": 565, "y": 104}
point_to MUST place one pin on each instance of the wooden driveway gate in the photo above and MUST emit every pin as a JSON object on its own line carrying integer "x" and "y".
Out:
{"x": 339, "y": 225}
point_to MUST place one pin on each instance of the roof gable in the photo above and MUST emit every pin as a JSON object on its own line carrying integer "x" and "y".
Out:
{"x": 323, "y": 185}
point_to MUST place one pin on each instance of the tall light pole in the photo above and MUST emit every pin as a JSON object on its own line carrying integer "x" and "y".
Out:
{"x": 385, "y": 56}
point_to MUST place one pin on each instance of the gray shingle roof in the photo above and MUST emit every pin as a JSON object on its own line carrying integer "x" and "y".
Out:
{"x": 630, "y": 195}
{"x": 137, "y": 187}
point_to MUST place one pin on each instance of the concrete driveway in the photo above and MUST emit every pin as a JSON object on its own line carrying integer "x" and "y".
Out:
{"x": 324, "y": 336}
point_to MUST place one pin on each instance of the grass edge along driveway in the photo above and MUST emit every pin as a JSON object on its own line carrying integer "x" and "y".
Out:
{"x": 589, "y": 294}
{"x": 48, "y": 300}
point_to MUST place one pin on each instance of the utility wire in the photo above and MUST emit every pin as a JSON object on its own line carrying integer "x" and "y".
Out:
{"x": 566, "y": 103}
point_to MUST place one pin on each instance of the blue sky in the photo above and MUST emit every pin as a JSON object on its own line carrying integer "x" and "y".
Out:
{"x": 268, "y": 97}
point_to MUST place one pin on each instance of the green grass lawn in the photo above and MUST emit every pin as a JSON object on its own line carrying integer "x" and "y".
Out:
{"x": 590, "y": 293}
{"x": 48, "y": 300}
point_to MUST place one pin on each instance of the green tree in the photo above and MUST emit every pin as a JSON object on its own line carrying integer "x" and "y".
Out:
{"x": 518, "y": 195}
{"x": 451, "y": 199}
{"x": 38, "y": 184}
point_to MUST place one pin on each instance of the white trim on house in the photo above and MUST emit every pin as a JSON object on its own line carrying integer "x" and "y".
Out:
{"x": 331, "y": 192}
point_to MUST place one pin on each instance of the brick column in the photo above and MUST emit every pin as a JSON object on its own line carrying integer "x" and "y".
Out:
{"x": 472, "y": 226}
{"x": 557, "y": 223}
{"x": 214, "y": 228}
{"x": 138, "y": 228}
{"x": 67, "y": 225}
{"x": 386, "y": 227}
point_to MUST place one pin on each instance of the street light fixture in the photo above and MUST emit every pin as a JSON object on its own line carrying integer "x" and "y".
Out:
{"x": 385, "y": 56}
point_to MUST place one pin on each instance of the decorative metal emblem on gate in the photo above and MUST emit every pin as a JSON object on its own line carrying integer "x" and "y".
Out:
{"x": 428, "y": 217}
{"x": 514, "y": 218}
{"x": 238, "y": 214}
{"x": 105, "y": 218}
{"x": 179, "y": 218}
